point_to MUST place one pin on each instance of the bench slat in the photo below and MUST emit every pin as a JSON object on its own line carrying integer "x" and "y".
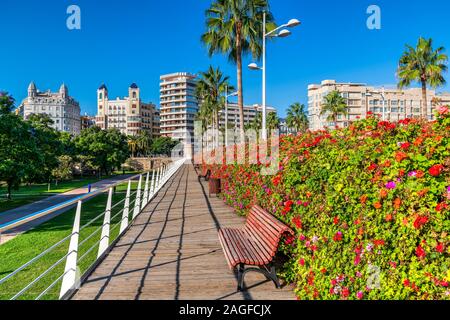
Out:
{"x": 264, "y": 235}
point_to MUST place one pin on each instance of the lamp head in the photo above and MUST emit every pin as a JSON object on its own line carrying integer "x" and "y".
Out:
{"x": 253, "y": 66}
{"x": 293, "y": 23}
{"x": 284, "y": 33}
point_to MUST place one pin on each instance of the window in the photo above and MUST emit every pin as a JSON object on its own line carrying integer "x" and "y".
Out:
{"x": 100, "y": 96}
{"x": 134, "y": 95}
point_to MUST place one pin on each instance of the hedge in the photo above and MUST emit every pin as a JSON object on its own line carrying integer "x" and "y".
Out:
{"x": 370, "y": 205}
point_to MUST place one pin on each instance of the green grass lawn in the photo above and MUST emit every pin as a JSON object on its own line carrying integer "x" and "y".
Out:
{"x": 29, "y": 194}
{"x": 20, "y": 250}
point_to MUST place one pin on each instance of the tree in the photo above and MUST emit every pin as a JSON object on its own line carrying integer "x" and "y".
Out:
{"x": 132, "y": 145}
{"x": 163, "y": 146}
{"x": 209, "y": 91}
{"x": 49, "y": 144}
{"x": 425, "y": 65}
{"x": 334, "y": 106}
{"x": 234, "y": 27}
{"x": 18, "y": 150}
{"x": 64, "y": 170}
{"x": 273, "y": 122}
{"x": 106, "y": 149}
{"x": 297, "y": 118}
{"x": 144, "y": 142}
{"x": 256, "y": 123}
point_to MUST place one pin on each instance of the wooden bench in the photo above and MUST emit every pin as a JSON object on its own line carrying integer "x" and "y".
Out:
{"x": 254, "y": 245}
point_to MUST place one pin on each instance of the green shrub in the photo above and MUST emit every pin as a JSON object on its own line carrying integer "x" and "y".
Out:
{"x": 370, "y": 199}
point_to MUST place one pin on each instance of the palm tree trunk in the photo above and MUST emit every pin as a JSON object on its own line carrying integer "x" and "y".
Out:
{"x": 239, "y": 81}
{"x": 424, "y": 98}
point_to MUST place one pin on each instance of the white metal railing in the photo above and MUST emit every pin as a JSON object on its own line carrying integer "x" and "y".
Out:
{"x": 71, "y": 277}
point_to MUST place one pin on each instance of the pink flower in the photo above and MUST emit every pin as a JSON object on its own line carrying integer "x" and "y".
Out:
{"x": 360, "y": 295}
{"x": 391, "y": 185}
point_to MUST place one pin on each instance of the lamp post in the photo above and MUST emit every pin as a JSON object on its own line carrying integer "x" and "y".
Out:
{"x": 384, "y": 101}
{"x": 253, "y": 66}
{"x": 226, "y": 112}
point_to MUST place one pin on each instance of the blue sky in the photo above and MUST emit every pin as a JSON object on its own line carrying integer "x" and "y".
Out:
{"x": 136, "y": 41}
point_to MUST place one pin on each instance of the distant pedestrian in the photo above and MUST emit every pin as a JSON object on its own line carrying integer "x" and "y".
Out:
{"x": 89, "y": 188}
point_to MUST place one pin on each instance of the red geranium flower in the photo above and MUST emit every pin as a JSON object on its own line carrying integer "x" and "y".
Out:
{"x": 420, "y": 221}
{"x": 400, "y": 156}
{"x": 420, "y": 252}
{"x": 363, "y": 199}
{"x": 441, "y": 206}
{"x": 436, "y": 170}
{"x": 338, "y": 236}
{"x": 440, "y": 248}
{"x": 405, "y": 146}
{"x": 297, "y": 222}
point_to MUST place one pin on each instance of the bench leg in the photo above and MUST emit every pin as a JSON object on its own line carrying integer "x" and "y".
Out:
{"x": 271, "y": 275}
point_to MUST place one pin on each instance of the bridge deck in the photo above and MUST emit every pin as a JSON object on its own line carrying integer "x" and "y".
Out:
{"x": 172, "y": 252}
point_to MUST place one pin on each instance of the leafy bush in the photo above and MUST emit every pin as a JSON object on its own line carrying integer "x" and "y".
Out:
{"x": 370, "y": 199}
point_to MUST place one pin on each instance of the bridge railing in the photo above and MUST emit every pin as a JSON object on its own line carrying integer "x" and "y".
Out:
{"x": 96, "y": 244}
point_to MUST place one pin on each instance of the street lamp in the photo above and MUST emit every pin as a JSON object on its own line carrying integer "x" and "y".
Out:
{"x": 226, "y": 112}
{"x": 279, "y": 32}
{"x": 384, "y": 99}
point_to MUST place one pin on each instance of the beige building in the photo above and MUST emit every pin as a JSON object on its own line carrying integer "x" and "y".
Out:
{"x": 59, "y": 106}
{"x": 178, "y": 107}
{"x": 129, "y": 114}
{"x": 362, "y": 99}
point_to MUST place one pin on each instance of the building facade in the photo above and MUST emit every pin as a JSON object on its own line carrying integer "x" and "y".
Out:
{"x": 129, "y": 114}
{"x": 87, "y": 122}
{"x": 361, "y": 99}
{"x": 59, "y": 106}
{"x": 179, "y": 106}
{"x": 250, "y": 113}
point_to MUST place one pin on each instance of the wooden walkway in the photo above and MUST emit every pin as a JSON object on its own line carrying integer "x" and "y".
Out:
{"x": 172, "y": 252}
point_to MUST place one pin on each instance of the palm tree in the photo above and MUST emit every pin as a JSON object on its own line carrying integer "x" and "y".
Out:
{"x": 204, "y": 115}
{"x": 132, "y": 145}
{"x": 209, "y": 91}
{"x": 297, "y": 118}
{"x": 256, "y": 124}
{"x": 425, "y": 65}
{"x": 334, "y": 106}
{"x": 234, "y": 27}
{"x": 144, "y": 142}
{"x": 273, "y": 122}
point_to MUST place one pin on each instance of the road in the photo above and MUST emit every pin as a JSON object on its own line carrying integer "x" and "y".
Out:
{"x": 24, "y": 211}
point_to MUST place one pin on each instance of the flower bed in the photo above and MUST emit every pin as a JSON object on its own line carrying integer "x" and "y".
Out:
{"x": 370, "y": 204}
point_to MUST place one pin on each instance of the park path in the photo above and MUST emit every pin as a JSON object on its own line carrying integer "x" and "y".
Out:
{"x": 23, "y": 211}
{"x": 172, "y": 252}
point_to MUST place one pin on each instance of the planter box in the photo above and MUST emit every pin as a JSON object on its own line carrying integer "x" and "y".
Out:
{"x": 214, "y": 186}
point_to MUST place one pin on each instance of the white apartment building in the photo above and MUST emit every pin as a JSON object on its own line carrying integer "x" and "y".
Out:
{"x": 361, "y": 99}
{"x": 250, "y": 113}
{"x": 129, "y": 114}
{"x": 59, "y": 106}
{"x": 179, "y": 106}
